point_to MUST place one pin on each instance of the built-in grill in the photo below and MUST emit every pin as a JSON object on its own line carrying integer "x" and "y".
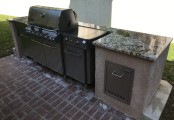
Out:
{"x": 53, "y": 38}
{"x": 41, "y": 39}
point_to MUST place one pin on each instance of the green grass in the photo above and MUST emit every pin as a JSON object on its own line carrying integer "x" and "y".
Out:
{"x": 170, "y": 56}
{"x": 6, "y": 42}
{"x": 168, "y": 73}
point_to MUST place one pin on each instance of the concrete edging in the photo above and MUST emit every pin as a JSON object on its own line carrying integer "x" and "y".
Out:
{"x": 155, "y": 107}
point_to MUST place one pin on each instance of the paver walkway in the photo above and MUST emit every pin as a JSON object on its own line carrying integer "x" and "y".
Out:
{"x": 29, "y": 91}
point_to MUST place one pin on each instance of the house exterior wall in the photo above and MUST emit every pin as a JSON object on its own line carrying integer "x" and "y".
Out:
{"x": 97, "y": 12}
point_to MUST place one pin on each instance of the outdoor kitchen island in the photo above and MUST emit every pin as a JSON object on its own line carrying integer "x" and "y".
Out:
{"x": 129, "y": 67}
{"x": 128, "y": 70}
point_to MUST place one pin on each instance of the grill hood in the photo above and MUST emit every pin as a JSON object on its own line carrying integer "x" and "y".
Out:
{"x": 65, "y": 20}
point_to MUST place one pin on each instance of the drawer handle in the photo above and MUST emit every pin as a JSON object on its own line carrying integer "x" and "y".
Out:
{"x": 23, "y": 36}
{"x": 35, "y": 41}
{"x": 72, "y": 53}
{"x": 49, "y": 46}
{"x": 120, "y": 76}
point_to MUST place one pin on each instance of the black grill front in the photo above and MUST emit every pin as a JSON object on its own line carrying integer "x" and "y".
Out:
{"x": 79, "y": 53}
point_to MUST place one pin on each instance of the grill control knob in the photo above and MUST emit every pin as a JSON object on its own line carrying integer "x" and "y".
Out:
{"x": 66, "y": 39}
{"x": 84, "y": 42}
{"x": 77, "y": 42}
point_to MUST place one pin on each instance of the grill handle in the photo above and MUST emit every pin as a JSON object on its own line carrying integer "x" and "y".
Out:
{"x": 72, "y": 53}
{"x": 120, "y": 76}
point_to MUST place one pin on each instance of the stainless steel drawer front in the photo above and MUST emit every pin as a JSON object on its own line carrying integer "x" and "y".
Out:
{"x": 118, "y": 81}
{"x": 75, "y": 65}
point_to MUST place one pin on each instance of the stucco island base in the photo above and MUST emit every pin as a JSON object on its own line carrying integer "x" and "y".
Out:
{"x": 147, "y": 78}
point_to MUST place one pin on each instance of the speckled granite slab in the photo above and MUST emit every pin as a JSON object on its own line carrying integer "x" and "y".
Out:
{"x": 21, "y": 19}
{"x": 141, "y": 45}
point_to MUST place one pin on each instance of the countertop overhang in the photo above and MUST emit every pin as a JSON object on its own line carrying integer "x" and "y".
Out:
{"x": 141, "y": 45}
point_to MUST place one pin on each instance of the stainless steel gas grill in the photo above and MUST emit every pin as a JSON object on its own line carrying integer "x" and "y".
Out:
{"x": 53, "y": 38}
{"x": 79, "y": 53}
{"x": 41, "y": 39}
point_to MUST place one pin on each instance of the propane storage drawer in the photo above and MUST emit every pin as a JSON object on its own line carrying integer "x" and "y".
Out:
{"x": 118, "y": 81}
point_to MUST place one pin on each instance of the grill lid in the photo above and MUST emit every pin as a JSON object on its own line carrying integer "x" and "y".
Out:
{"x": 64, "y": 20}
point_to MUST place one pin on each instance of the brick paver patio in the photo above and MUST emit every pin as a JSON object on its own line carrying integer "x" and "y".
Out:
{"x": 29, "y": 91}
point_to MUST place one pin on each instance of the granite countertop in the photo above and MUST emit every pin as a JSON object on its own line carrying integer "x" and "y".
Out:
{"x": 137, "y": 44}
{"x": 21, "y": 19}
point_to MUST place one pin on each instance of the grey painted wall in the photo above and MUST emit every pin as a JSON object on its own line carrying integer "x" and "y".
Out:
{"x": 98, "y": 12}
